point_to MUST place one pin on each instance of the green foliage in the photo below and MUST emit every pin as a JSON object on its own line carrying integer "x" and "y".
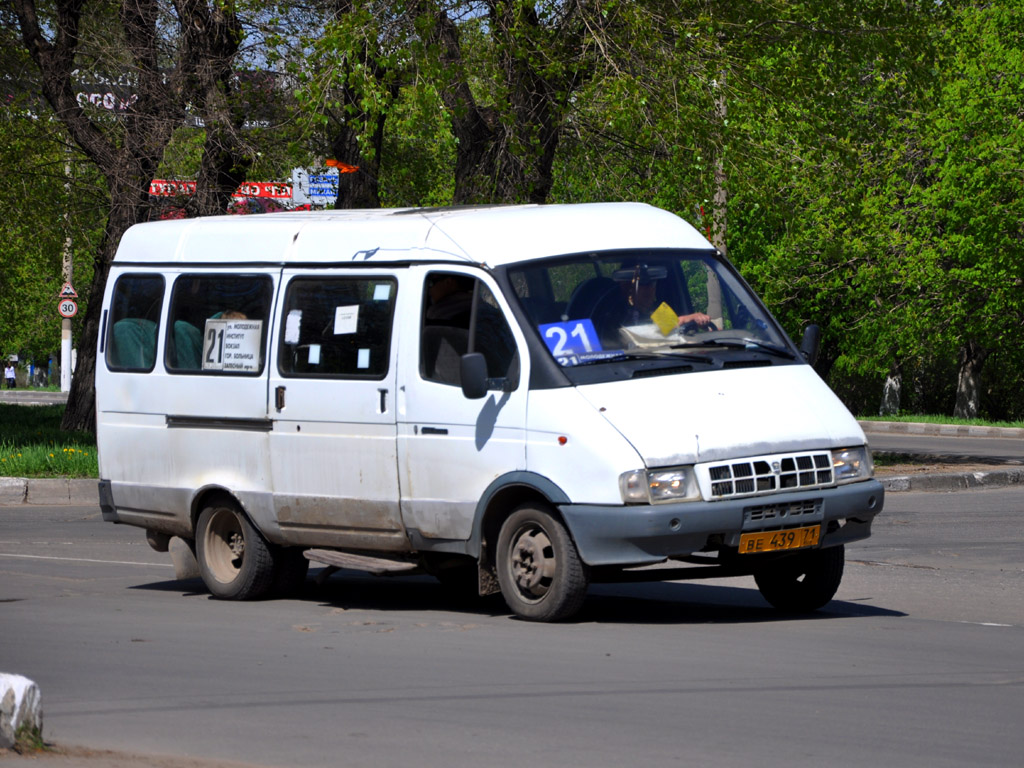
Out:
{"x": 864, "y": 159}
{"x": 50, "y": 200}
{"x": 419, "y": 151}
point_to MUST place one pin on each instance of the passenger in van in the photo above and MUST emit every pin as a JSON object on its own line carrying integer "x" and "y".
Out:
{"x": 446, "y": 324}
{"x": 450, "y": 300}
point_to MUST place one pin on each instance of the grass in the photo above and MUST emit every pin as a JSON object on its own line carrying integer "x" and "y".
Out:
{"x": 938, "y": 419}
{"x": 33, "y": 445}
{"x": 29, "y": 740}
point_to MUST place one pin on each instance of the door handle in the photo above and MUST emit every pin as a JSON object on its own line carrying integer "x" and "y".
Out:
{"x": 434, "y": 431}
{"x": 279, "y": 398}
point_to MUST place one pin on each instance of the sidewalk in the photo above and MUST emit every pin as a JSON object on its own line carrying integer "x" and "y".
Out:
{"x": 938, "y": 430}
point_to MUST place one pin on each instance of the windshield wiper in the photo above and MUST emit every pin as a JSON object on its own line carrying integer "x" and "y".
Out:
{"x": 624, "y": 355}
{"x": 740, "y": 344}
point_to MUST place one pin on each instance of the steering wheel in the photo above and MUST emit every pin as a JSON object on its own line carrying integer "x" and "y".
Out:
{"x": 692, "y": 327}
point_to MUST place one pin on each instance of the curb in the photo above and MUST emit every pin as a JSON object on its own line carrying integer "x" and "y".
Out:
{"x": 959, "y": 481}
{"x": 49, "y": 491}
{"x": 938, "y": 430}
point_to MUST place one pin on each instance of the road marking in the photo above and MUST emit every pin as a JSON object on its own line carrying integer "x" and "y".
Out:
{"x": 85, "y": 560}
{"x": 986, "y": 624}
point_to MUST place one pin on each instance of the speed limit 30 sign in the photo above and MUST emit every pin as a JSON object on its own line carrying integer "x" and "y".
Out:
{"x": 67, "y": 307}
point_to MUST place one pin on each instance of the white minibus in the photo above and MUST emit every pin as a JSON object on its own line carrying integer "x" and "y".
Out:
{"x": 524, "y": 399}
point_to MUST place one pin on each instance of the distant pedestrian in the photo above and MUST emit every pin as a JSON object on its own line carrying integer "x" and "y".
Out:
{"x": 9, "y": 375}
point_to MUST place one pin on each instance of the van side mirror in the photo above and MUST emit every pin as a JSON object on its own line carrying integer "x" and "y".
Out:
{"x": 473, "y": 373}
{"x": 811, "y": 343}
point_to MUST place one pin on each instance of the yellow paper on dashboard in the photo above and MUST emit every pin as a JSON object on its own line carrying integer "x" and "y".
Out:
{"x": 665, "y": 318}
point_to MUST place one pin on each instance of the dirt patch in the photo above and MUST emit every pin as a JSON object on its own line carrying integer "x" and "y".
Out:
{"x": 899, "y": 470}
{"x": 81, "y": 757}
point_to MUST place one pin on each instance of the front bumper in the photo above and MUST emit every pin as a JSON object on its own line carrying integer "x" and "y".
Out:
{"x": 644, "y": 534}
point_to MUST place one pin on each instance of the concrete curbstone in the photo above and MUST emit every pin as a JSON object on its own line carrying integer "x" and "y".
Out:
{"x": 48, "y": 491}
{"x": 939, "y": 430}
{"x": 21, "y": 707}
{"x": 84, "y": 491}
{"x": 13, "y": 490}
{"x": 948, "y": 483}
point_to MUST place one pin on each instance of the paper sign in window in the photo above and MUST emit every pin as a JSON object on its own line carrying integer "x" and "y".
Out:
{"x": 381, "y": 292}
{"x": 292, "y": 324}
{"x": 314, "y": 354}
{"x": 363, "y": 359}
{"x": 232, "y": 345}
{"x": 346, "y": 319}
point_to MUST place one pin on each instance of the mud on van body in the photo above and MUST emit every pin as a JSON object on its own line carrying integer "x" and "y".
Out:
{"x": 526, "y": 399}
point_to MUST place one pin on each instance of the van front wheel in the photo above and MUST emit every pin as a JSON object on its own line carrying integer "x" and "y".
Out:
{"x": 802, "y": 582}
{"x": 539, "y": 570}
{"x": 235, "y": 561}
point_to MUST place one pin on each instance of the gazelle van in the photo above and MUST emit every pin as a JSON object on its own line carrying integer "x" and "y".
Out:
{"x": 526, "y": 399}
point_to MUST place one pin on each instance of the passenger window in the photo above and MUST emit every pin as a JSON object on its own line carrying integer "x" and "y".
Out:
{"x": 218, "y": 324}
{"x": 134, "y": 315}
{"x": 444, "y": 338}
{"x": 337, "y": 327}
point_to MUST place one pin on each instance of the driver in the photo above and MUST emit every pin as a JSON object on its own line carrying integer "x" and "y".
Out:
{"x": 639, "y": 289}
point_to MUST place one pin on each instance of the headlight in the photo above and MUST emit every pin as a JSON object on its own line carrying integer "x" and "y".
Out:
{"x": 653, "y": 486}
{"x": 852, "y": 464}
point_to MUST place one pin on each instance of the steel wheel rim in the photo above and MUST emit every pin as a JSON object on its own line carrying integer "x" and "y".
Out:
{"x": 532, "y": 563}
{"x": 225, "y": 545}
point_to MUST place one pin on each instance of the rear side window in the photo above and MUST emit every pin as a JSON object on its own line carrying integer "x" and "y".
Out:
{"x": 337, "y": 327}
{"x": 218, "y": 324}
{"x": 134, "y": 315}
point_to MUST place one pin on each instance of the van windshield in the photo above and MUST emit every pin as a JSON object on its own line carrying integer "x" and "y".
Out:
{"x": 681, "y": 306}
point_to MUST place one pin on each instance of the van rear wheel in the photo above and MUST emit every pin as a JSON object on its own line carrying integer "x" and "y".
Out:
{"x": 540, "y": 572}
{"x": 235, "y": 561}
{"x": 802, "y": 582}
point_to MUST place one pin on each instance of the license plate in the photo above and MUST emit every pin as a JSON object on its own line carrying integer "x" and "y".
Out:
{"x": 773, "y": 541}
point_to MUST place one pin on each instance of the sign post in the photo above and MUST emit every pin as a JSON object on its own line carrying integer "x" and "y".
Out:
{"x": 67, "y": 307}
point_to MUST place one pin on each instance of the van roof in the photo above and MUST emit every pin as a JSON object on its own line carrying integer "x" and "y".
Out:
{"x": 488, "y": 235}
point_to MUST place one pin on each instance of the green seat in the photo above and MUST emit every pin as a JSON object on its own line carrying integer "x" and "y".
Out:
{"x": 133, "y": 344}
{"x": 188, "y": 347}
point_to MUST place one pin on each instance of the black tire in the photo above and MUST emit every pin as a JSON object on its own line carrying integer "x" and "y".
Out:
{"x": 802, "y": 582}
{"x": 235, "y": 561}
{"x": 539, "y": 570}
{"x": 290, "y": 569}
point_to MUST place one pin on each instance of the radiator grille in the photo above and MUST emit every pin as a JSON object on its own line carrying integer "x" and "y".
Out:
{"x": 770, "y": 474}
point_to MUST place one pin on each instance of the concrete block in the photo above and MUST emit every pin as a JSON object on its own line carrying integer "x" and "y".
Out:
{"x": 12, "y": 490}
{"x": 84, "y": 490}
{"x": 48, "y": 491}
{"x": 184, "y": 558}
{"x": 21, "y": 706}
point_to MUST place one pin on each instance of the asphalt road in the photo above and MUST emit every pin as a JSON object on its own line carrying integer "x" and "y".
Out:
{"x": 1008, "y": 450}
{"x": 917, "y": 662}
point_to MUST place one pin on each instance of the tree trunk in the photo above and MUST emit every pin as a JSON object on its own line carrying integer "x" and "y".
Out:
{"x": 127, "y": 151}
{"x": 719, "y": 200}
{"x": 212, "y": 38}
{"x": 505, "y": 153}
{"x": 129, "y": 207}
{"x": 891, "y": 391}
{"x": 357, "y": 189}
{"x": 970, "y": 359}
